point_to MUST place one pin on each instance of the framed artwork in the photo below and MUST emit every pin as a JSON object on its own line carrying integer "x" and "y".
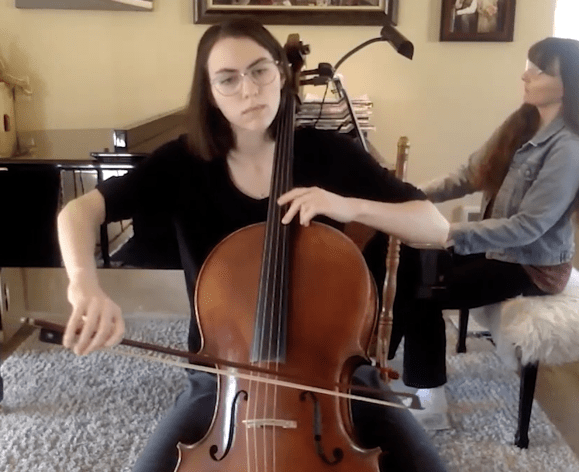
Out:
{"x": 477, "y": 20}
{"x": 300, "y": 12}
{"x": 118, "y": 5}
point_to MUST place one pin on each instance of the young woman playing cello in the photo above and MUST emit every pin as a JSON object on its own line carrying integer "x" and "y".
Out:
{"x": 215, "y": 180}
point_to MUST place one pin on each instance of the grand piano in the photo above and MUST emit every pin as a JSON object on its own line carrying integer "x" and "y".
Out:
{"x": 34, "y": 185}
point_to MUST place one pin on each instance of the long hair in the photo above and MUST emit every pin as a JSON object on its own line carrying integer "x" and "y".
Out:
{"x": 517, "y": 129}
{"x": 209, "y": 134}
{"x": 524, "y": 123}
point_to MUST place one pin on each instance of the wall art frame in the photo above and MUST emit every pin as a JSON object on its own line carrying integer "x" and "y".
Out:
{"x": 113, "y": 5}
{"x": 477, "y": 20}
{"x": 300, "y": 12}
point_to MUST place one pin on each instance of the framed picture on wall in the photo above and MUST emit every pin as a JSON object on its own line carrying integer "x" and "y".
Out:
{"x": 477, "y": 20}
{"x": 300, "y": 12}
{"x": 118, "y": 5}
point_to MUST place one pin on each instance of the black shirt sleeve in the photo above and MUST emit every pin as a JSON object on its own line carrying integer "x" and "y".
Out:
{"x": 339, "y": 164}
{"x": 344, "y": 167}
{"x": 149, "y": 188}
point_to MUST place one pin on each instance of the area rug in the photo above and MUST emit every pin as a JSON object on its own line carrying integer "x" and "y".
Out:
{"x": 483, "y": 398}
{"x": 94, "y": 413}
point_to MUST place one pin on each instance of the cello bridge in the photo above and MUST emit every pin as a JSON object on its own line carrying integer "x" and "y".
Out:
{"x": 262, "y": 423}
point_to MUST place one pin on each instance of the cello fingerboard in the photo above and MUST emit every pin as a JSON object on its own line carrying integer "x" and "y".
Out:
{"x": 270, "y": 330}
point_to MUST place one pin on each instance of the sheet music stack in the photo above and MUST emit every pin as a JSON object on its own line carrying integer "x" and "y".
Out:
{"x": 333, "y": 113}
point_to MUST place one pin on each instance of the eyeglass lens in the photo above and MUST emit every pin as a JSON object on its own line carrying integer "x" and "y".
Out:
{"x": 229, "y": 83}
{"x": 532, "y": 68}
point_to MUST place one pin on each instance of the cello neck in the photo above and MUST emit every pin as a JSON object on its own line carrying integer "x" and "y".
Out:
{"x": 270, "y": 330}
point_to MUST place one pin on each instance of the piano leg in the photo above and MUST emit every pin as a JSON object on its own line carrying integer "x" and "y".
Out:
{"x": 462, "y": 330}
{"x": 104, "y": 235}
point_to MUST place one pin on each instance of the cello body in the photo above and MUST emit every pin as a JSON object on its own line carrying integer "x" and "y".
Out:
{"x": 331, "y": 315}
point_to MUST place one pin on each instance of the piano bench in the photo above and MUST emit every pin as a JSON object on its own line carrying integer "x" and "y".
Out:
{"x": 529, "y": 330}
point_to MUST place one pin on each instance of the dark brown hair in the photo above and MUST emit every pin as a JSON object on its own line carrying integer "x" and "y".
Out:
{"x": 522, "y": 125}
{"x": 209, "y": 134}
{"x": 517, "y": 129}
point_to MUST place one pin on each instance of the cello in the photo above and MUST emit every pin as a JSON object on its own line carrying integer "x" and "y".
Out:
{"x": 287, "y": 298}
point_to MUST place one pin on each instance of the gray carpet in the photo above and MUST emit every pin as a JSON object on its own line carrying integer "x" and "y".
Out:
{"x": 65, "y": 413}
{"x": 483, "y": 397}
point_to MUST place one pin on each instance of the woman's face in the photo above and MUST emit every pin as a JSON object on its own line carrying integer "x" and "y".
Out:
{"x": 543, "y": 89}
{"x": 249, "y": 101}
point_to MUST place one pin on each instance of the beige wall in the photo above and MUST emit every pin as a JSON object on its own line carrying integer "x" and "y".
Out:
{"x": 102, "y": 69}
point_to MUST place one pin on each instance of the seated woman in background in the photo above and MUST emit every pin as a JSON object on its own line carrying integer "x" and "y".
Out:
{"x": 528, "y": 172}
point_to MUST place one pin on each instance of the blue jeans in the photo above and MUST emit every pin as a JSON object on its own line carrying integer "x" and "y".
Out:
{"x": 467, "y": 282}
{"x": 187, "y": 421}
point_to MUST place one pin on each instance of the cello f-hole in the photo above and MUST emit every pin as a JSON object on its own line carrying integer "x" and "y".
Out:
{"x": 213, "y": 449}
{"x": 338, "y": 453}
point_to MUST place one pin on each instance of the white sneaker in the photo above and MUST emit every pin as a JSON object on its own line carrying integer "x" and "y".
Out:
{"x": 434, "y": 416}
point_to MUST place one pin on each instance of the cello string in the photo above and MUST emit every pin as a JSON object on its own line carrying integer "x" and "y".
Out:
{"x": 270, "y": 283}
{"x": 282, "y": 254}
{"x": 275, "y": 294}
{"x": 270, "y": 279}
{"x": 273, "y": 280}
{"x": 263, "y": 302}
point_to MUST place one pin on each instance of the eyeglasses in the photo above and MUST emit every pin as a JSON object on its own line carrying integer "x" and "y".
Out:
{"x": 262, "y": 73}
{"x": 533, "y": 70}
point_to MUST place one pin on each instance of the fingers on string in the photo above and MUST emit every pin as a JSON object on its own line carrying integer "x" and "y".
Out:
{"x": 307, "y": 213}
{"x": 292, "y": 195}
{"x": 302, "y": 205}
{"x": 292, "y": 211}
{"x": 307, "y": 207}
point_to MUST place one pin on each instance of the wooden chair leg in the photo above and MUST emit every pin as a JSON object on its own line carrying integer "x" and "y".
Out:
{"x": 462, "y": 329}
{"x": 526, "y": 394}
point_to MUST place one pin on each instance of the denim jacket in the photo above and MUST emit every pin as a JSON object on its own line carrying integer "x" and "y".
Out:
{"x": 530, "y": 221}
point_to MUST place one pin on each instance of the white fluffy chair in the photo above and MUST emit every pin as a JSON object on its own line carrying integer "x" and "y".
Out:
{"x": 529, "y": 330}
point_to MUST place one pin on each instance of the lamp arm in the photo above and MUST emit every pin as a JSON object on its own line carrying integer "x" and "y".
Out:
{"x": 388, "y": 33}
{"x": 355, "y": 50}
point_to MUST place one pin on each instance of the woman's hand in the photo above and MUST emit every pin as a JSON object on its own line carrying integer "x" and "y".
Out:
{"x": 312, "y": 201}
{"x": 96, "y": 321}
{"x": 414, "y": 221}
